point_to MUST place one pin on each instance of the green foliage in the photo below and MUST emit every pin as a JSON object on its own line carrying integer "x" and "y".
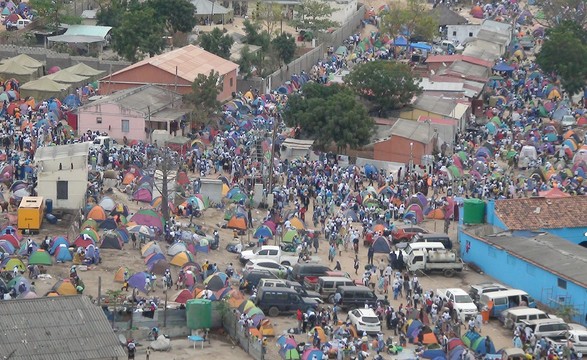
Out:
{"x": 139, "y": 33}
{"x": 567, "y": 312}
{"x": 249, "y": 61}
{"x": 55, "y": 12}
{"x": 571, "y": 66}
{"x": 269, "y": 14}
{"x": 388, "y": 84}
{"x": 203, "y": 98}
{"x": 217, "y": 43}
{"x": 285, "y": 47}
{"x": 177, "y": 15}
{"x": 413, "y": 17}
{"x": 330, "y": 114}
{"x": 313, "y": 15}
{"x": 254, "y": 35}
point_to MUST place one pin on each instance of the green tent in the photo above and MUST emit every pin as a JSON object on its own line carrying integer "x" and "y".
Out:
{"x": 289, "y": 235}
{"x": 40, "y": 257}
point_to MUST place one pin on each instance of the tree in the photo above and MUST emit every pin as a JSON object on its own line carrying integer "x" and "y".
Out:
{"x": 204, "y": 95}
{"x": 572, "y": 66}
{"x": 55, "y": 12}
{"x": 559, "y": 11}
{"x": 330, "y": 114}
{"x": 412, "y": 18}
{"x": 139, "y": 33}
{"x": 111, "y": 12}
{"x": 313, "y": 15}
{"x": 167, "y": 164}
{"x": 285, "y": 47}
{"x": 388, "y": 84}
{"x": 269, "y": 14}
{"x": 217, "y": 43}
{"x": 253, "y": 35}
{"x": 177, "y": 15}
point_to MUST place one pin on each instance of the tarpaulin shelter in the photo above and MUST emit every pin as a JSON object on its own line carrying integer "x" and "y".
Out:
{"x": 11, "y": 69}
{"x": 44, "y": 88}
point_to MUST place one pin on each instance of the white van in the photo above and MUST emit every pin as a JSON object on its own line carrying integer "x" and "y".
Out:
{"x": 547, "y": 327}
{"x": 513, "y": 317}
{"x": 503, "y": 300}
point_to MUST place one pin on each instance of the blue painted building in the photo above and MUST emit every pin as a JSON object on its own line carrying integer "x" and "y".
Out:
{"x": 564, "y": 217}
{"x": 532, "y": 244}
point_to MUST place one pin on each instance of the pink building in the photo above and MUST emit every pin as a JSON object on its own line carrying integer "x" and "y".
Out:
{"x": 132, "y": 114}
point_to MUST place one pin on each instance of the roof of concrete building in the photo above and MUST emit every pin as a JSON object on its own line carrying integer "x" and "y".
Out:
{"x": 412, "y": 130}
{"x": 188, "y": 62}
{"x": 144, "y": 99}
{"x": 446, "y": 16}
{"x": 436, "y": 105}
{"x": 467, "y": 71}
{"x": 449, "y": 59}
{"x": 56, "y": 328}
{"x": 482, "y": 49}
{"x": 493, "y": 25}
{"x": 62, "y": 151}
{"x": 542, "y": 213}
{"x": 495, "y": 37}
{"x": 552, "y": 253}
{"x": 441, "y": 86}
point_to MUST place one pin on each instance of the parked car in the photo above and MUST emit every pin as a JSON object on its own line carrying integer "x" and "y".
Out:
{"x": 547, "y": 327}
{"x": 251, "y": 279}
{"x": 292, "y": 285}
{"x": 485, "y": 287}
{"x": 513, "y": 317}
{"x": 405, "y": 233}
{"x": 364, "y": 320}
{"x": 18, "y": 25}
{"x": 327, "y": 286}
{"x": 356, "y": 297}
{"x": 276, "y": 300}
{"x": 276, "y": 268}
{"x": 300, "y": 271}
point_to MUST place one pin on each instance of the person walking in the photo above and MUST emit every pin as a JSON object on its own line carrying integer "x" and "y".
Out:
{"x": 370, "y": 254}
{"x": 356, "y": 264}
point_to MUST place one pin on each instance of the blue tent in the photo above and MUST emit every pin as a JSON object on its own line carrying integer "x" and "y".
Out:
{"x": 72, "y": 101}
{"x": 381, "y": 246}
{"x": 156, "y": 257}
{"x": 370, "y": 170}
{"x": 58, "y": 241}
{"x": 433, "y": 354}
{"x": 400, "y": 41}
{"x": 62, "y": 254}
{"x": 502, "y": 66}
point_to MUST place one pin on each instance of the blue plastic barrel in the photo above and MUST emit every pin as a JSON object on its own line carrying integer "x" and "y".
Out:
{"x": 49, "y": 206}
{"x": 51, "y": 218}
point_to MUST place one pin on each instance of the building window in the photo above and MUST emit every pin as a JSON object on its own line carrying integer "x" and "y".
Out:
{"x": 470, "y": 34}
{"x": 231, "y": 82}
{"x": 99, "y": 120}
{"x": 62, "y": 190}
{"x": 454, "y": 33}
{"x": 125, "y": 126}
{"x": 562, "y": 283}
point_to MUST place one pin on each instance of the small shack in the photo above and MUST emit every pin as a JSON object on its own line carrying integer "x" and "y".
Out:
{"x": 30, "y": 213}
{"x": 295, "y": 148}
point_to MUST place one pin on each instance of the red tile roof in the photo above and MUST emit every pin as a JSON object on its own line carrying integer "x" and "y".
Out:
{"x": 449, "y": 59}
{"x": 542, "y": 213}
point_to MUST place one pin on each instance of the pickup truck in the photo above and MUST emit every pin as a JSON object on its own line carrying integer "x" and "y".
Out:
{"x": 462, "y": 302}
{"x": 268, "y": 252}
{"x": 576, "y": 337}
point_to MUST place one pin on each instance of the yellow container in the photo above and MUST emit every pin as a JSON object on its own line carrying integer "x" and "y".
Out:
{"x": 30, "y": 212}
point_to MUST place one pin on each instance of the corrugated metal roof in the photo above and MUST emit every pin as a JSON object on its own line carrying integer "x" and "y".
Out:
{"x": 449, "y": 86}
{"x": 60, "y": 328}
{"x": 552, "y": 253}
{"x": 436, "y": 105}
{"x": 144, "y": 99}
{"x": 412, "y": 130}
{"x": 62, "y": 151}
{"x": 88, "y": 30}
{"x": 189, "y": 61}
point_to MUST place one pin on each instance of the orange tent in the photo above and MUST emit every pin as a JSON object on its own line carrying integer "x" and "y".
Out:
{"x": 429, "y": 338}
{"x": 297, "y": 223}
{"x": 266, "y": 328}
{"x": 119, "y": 274}
{"x": 64, "y": 287}
{"x": 436, "y": 214}
{"x": 237, "y": 222}
{"x": 379, "y": 228}
{"x": 256, "y": 333}
{"x": 97, "y": 213}
{"x": 321, "y": 334}
{"x": 128, "y": 178}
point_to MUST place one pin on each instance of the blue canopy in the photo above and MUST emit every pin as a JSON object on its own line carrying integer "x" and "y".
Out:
{"x": 400, "y": 41}
{"x": 502, "y": 66}
{"x": 421, "y": 46}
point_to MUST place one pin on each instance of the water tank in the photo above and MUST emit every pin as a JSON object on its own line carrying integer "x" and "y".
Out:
{"x": 474, "y": 211}
{"x": 442, "y": 256}
{"x": 199, "y": 314}
{"x": 49, "y": 206}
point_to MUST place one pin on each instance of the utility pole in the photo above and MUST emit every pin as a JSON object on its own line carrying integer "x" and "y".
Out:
{"x": 273, "y": 137}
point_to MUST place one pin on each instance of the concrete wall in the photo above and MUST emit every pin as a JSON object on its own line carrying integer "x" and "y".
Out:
{"x": 112, "y": 116}
{"x": 212, "y": 188}
{"x": 306, "y": 61}
{"x": 536, "y": 281}
{"x": 77, "y": 183}
{"x": 397, "y": 149}
{"x": 51, "y": 58}
{"x": 462, "y": 32}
